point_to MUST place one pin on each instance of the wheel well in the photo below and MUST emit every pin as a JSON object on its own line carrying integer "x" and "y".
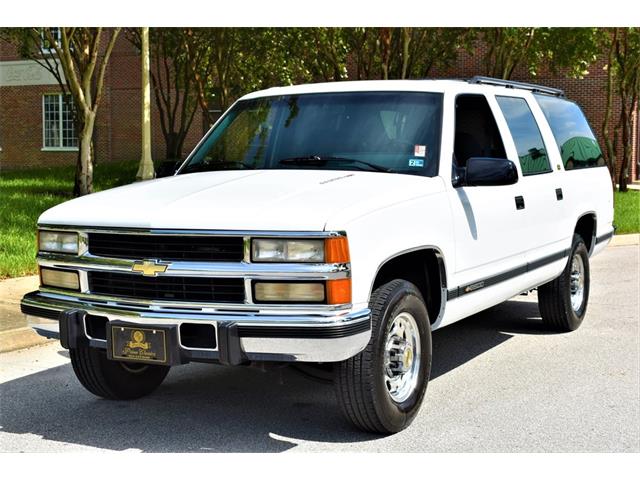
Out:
{"x": 586, "y": 228}
{"x": 423, "y": 268}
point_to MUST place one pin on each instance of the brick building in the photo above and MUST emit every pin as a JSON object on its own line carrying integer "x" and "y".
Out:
{"x": 35, "y": 129}
{"x": 35, "y": 126}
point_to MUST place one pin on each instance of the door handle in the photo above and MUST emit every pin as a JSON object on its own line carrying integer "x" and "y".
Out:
{"x": 559, "y": 194}
{"x": 519, "y": 202}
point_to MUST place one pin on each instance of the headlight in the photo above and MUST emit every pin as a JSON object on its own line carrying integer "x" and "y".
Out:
{"x": 276, "y": 250}
{"x": 51, "y": 277}
{"x": 62, "y": 242}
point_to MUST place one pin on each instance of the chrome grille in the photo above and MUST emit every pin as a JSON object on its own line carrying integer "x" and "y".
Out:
{"x": 167, "y": 247}
{"x": 183, "y": 289}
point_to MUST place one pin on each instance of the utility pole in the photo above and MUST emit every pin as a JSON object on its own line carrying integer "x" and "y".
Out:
{"x": 146, "y": 170}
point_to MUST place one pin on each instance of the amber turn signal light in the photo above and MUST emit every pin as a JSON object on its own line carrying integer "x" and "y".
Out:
{"x": 339, "y": 291}
{"x": 336, "y": 250}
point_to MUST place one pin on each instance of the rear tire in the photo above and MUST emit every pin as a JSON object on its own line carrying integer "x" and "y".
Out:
{"x": 381, "y": 388}
{"x": 112, "y": 379}
{"x": 563, "y": 301}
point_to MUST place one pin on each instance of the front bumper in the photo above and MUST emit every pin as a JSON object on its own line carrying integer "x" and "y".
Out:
{"x": 241, "y": 336}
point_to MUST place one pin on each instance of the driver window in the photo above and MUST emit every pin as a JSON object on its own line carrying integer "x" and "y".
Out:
{"x": 477, "y": 133}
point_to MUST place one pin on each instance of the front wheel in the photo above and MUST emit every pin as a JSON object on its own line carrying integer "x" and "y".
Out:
{"x": 381, "y": 389}
{"x": 115, "y": 380}
{"x": 563, "y": 301}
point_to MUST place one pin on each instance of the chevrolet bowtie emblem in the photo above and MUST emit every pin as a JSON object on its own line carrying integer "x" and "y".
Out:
{"x": 149, "y": 268}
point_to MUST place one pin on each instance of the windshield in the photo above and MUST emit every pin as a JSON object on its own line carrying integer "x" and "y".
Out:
{"x": 395, "y": 132}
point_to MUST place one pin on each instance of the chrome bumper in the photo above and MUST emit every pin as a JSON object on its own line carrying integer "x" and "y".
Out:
{"x": 309, "y": 337}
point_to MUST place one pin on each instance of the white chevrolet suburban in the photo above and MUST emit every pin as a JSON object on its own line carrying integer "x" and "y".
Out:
{"x": 335, "y": 224}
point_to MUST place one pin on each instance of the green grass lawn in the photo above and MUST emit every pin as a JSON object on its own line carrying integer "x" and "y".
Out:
{"x": 627, "y": 212}
{"x": 25, "y": 194}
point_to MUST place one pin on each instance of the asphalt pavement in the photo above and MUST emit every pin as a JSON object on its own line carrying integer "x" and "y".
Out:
{"x": 500, "y": 383}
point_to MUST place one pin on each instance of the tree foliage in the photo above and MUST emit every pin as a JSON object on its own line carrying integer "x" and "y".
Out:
{"x": 228, "y": 62}
{"x": 401, "y": 53}
{"x": 510, "y": 48}
{"x": 210, "y": 68}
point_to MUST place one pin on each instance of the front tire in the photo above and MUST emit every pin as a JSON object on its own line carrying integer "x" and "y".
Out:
{"x": 112, "y": 379}
{"x": 381, "y": 388}
{"x": 563, "y": 301}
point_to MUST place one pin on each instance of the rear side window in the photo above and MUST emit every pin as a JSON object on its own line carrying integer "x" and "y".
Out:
{"x": 576, "y": 141}
{"x": 526, "y": 135}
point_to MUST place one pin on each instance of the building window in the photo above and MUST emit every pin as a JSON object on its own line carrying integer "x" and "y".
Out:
{"x": 45, "y": 43}
{"x": 58, "y": 127}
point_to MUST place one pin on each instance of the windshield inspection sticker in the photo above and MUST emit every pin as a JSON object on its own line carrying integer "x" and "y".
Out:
{"x": 420, "y": 150}
{"x": 416, "y": 162}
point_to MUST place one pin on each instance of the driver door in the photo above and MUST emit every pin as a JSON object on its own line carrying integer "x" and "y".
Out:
{"x": 488, "y": 220}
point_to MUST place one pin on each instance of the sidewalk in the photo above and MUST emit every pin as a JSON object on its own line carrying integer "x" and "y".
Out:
{"x": 624, "y": 240}
{"x": 15, "y": 334}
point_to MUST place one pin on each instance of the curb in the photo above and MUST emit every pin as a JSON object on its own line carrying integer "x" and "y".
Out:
{"x": 625, "y": 240}
{"x": 20, "y": 338}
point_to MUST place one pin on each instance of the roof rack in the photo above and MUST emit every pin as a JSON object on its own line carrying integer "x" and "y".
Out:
{"x": 556, "y": 92}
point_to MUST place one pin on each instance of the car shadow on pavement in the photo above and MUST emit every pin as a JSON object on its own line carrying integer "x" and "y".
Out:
{"x": 210, "y": 408}
{"x": 461, "y": 342}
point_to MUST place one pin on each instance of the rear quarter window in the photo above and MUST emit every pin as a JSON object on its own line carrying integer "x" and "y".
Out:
{"x": 577, "y": 143}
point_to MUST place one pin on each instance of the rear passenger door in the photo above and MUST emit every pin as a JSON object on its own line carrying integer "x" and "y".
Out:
{"x": 541, "y": 185}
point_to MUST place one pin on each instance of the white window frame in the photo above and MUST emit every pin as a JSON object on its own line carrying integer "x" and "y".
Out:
{"x": 60, "y": 128}
{"x": 58, "y": 38}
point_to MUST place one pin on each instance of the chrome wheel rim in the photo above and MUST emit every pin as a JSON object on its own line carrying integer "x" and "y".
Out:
{"x": 576, "y": 282}
{"x": 402, "y": 357}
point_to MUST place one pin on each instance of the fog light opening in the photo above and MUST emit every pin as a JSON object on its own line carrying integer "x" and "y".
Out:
{"x": 279, "y": 292}
{"x": 67, "y": 279}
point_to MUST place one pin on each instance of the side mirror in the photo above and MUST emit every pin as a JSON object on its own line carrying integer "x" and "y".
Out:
{"x": 167, "y": 168}
{"x": 481, "y": 172}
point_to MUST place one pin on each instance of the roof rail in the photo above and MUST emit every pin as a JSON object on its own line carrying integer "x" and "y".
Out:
{"x": 513, "y": 84}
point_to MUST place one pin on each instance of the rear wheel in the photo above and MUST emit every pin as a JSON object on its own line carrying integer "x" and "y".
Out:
{"x": 563, "y": 301}
{"x": 381, "y": 389}
{"x": 115, "y": 380}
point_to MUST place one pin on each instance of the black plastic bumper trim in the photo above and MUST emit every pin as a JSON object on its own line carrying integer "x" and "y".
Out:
{"x": 334, "y": 331}
{"x": 39, "y": 312}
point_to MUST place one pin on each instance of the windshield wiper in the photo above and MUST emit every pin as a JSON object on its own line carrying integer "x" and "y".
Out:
{"x": 323, "y": 160}
{"x": 216, "y": 165}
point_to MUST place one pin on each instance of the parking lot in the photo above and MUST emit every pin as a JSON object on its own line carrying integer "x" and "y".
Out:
{"x": 499, "y": 383}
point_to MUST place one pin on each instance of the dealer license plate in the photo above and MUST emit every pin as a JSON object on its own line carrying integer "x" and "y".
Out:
{"x": 135, "y": 344}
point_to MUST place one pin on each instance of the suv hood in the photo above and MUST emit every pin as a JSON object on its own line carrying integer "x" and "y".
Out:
{"x": 294, "y": 200}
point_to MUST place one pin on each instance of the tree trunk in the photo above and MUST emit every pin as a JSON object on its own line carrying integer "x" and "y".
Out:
{"x": 625, "y": 121}
{"x": 146, "y": 170}
{"x": 173, "y": 144}
{"x": 606, "y": 129}
{"x": 84, "y": 177}
{"x": 385, "y": 51}
{"x": 406, "y": 40}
